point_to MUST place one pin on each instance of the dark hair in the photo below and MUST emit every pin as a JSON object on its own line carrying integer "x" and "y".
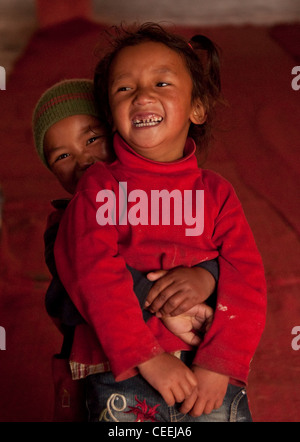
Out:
{"x": 200, "y": 55}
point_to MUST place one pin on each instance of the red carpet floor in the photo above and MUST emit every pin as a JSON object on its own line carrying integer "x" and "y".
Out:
{"x": 256, "y": 148}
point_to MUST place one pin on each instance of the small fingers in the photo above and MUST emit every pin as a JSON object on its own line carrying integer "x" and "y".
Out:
{"x": 179, "y": 305}
{"x": 168, "y": 397}
{"x": 171, "y": 301}
{"x": 161, "y": 298}
{"x": 188, "y": 403}
{"x": 157, "y": 274}
{"x": 155, "y": 291}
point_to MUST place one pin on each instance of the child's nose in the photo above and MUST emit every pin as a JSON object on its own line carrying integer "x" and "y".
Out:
{"x": 82, "y": 167}
{"x": 84, "y": 161}
{"x": 144, "y": 95}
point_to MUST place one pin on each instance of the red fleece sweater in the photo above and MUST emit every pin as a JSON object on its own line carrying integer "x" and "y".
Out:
{"x": 91, "y": 259}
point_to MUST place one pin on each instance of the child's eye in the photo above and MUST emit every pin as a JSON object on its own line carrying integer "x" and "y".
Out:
{"x": 123, "y": 89}
{"x": 92, "y": 140}
{"x": 61, "y": 157}
{"x": 162, "y": 84}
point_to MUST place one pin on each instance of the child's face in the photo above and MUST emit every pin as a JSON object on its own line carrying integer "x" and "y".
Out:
{"x": 150, "y": 92}
{"x": 72, "y": 145}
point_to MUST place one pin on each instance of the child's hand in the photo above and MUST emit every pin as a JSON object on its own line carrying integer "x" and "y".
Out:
{"x": 190, "y": 324}
{"x": 178, "y": 290}
{"x": 170, "y": 377}
{"x": 209, "y": 394}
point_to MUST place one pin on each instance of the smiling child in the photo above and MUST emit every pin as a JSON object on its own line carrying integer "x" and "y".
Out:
{"x": 157, "y": 93}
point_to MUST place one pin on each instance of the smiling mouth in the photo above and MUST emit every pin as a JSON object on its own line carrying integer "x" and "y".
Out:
{"x": 147, "y": 122}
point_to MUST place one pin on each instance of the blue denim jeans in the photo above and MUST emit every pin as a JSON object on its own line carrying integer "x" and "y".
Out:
{"x": 135, "y": 400}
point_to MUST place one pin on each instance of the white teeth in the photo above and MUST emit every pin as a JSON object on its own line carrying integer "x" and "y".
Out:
{"x": 147, "y": 122}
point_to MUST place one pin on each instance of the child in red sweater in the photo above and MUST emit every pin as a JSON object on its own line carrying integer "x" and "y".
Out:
{"x": 157, "y": 92}
{"x": 69, "y": 138}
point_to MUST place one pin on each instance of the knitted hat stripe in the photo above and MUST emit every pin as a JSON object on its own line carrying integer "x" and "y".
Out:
{"x": 60, "y": 99}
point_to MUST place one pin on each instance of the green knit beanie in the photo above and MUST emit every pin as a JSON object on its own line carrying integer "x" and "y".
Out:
{"x": 64, "y": 99}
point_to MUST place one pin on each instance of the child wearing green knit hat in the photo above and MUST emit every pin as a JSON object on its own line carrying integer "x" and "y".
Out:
{"x": 69, "y": 137}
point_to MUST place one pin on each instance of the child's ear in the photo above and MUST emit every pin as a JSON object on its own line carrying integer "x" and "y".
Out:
{"x": 198, "y": 113}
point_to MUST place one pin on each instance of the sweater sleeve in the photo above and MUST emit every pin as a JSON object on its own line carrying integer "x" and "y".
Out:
{"x": 101, "y": 286}
{"x": 230, "y": 343}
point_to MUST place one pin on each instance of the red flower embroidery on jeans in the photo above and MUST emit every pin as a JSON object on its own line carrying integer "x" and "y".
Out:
{"x": 143, "y": 412}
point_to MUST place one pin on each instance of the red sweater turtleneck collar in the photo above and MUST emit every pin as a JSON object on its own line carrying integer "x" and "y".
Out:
{"x": 129, "y": 158}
